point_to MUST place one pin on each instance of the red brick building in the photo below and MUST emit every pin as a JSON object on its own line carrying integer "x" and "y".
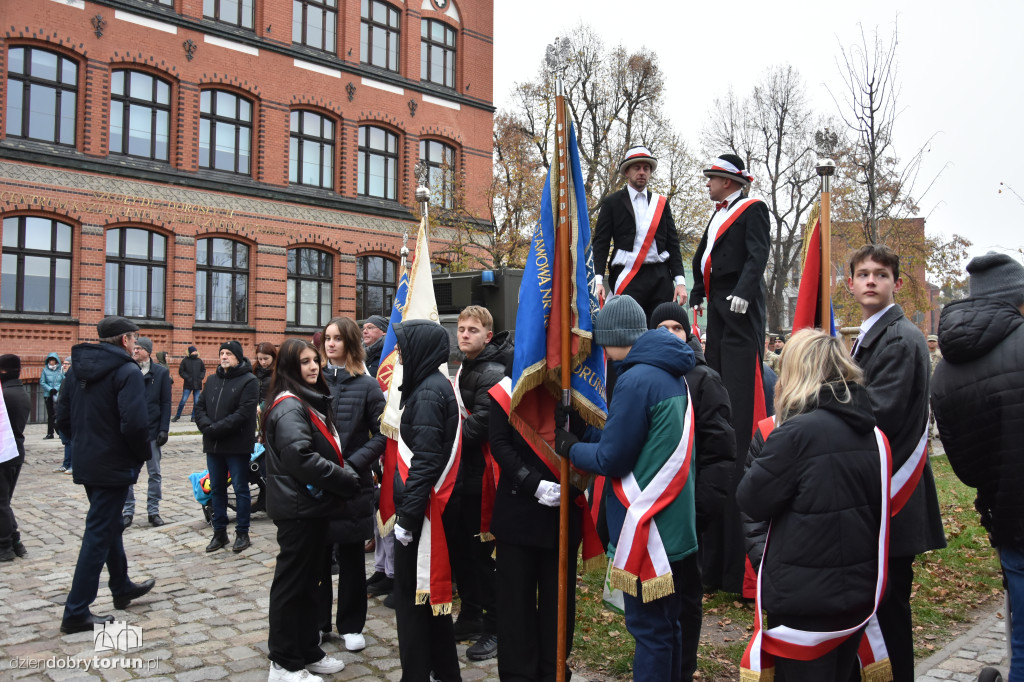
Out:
{"x": 226, "y": 169}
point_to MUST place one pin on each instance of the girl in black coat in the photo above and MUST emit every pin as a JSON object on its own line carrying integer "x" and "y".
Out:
{"x": 818, "y": 481}
{"x": 306, "y": 483}
{"x": 357, "y": 404}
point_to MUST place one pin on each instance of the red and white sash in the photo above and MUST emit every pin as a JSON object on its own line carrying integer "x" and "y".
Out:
{"x": 757, "y": 664}
{"x": 640, "y": 551}
{"x": 906, "y": 478}
{"x": 433, "y": 569}
{"x": 731, "y": 214}
{"x": 647, "y": 225}
{"x": 328, "y": 432}
{"x": 489, "y": 486}
{"x": 593, "y": 550}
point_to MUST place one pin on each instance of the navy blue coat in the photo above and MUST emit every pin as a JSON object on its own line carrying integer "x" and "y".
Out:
{"x": 158, "y": 398}
{"x": 102, "y": 409}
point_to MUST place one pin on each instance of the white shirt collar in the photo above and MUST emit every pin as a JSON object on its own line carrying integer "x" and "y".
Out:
{"x": 867, "y": 324}
{"x": 734, "y": 196}
{"x": 633, "y": 192}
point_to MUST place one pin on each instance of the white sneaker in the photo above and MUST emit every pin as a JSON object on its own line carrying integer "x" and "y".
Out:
{"x": 279, "y": 674}
{"x": 326, "y": 666}
{"x": 354, "y": 642}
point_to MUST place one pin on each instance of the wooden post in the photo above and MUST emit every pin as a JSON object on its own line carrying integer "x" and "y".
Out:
{"x": 826, "y": 169}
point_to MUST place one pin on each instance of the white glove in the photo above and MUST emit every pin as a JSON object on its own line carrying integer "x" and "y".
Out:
{"x": 402, "y": 535}
{"x": 738, "y": 305}
{"x": 549, "y": 493}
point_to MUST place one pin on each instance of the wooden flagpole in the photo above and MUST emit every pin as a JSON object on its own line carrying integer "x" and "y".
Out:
{"x": 562, "y": 243}
{"x": 826, "y": 169}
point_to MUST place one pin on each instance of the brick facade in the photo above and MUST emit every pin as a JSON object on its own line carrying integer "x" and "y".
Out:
{"x": 94, "y": 190}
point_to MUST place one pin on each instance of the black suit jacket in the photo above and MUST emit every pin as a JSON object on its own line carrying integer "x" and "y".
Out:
{"x": 894, "y": 357}
{"x": 738, "y": 258}
{"x": 616, "y": 223}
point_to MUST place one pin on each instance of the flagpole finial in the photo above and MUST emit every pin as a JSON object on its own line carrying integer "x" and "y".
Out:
{"x": 826, "y": 168}
{"x": 422, "y": 172}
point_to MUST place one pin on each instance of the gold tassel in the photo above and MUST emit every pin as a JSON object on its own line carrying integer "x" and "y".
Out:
{"x": 486, "y": 537}
{"x": 442, "y": 609}
{"x": 766, "y": 675}
{"x": 658, "y": 587}
{"x": 422, "y": 597}
{"x": 622, "y": 580}
{"x": 879, "y": 671}
{"x": 388, "y": 430}
{"x": 594, "y": 563}
{"x": 385, "y": 528}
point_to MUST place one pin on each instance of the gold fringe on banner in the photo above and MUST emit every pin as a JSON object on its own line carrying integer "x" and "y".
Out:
{"x": 658, "y": 587}
{"x": 383, "y": 527}
{"x": 766, "y": 675}
{"x": 594, "y": 562}
{"x": 441, "y": 609}
{"x": 623, "y": 580}
{"x": 879, "y": 671}
{"x": 486, "y": 537}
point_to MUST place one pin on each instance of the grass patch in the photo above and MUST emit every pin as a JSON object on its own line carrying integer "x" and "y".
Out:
{"x": 949, "y": 584}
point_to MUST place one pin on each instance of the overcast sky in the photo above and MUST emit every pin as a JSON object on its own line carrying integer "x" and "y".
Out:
{"x": 959, "y": 69}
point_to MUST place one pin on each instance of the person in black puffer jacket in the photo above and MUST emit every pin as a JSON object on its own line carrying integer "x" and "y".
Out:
{"x": 18, "y": 407}
{"x": 429, "y": 426}
{"x": 226, "y": 414}
{"x": 978, "y": 398}
{"x": 307, "y": 481}
{"x": 357, "y": 404}
{"x": 818, "y": 481}
{"x": 192, "y": 371}
{"x": 471, "y": 556}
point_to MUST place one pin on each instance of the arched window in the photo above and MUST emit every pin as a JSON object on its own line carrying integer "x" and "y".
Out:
{"x": 311, "y": 150}
{"x": 375, "y": 286}
{"x": 222, "y": 280}
{"x": 378, "y": 163}
{"x": 140, "y": 115}
{"x": 315, "y": 23}
{"x": 310, "y": 276}
{"x": 379, "y": 35}
{"x": 437, "y": 53}
{"x": 136, "y": 273}
{"x": 42, "y": 89}
{"x": 225, "y": 131}
{"x": 234, "y": 12}
{"x": 36, "y": 266}
{"x": 440, "y": 159}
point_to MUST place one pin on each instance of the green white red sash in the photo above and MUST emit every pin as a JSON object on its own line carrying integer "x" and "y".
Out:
{"x": 758, "y": 662}
{"x": 592, "y": 547}
{"x": 433, "y": 569}
{"x": 731, "y": 214}
{"x": 647, "y": 225}
{"x": 640, "y": 552}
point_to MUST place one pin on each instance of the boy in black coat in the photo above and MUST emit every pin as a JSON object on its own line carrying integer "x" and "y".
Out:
{"x": 894, "y": 356}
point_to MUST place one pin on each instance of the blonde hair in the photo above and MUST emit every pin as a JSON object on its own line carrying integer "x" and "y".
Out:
{"x": 810, "y": 360}
{"x": 482, "y": 314}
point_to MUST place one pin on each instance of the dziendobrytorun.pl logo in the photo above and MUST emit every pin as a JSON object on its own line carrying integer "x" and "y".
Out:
{"x": 118, "y": 636}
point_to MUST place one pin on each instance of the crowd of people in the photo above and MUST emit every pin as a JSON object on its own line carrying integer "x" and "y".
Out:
{"x": 800, "y": 481}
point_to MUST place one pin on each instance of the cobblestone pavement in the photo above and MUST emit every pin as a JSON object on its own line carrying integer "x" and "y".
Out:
{"x": 206, "y": 619}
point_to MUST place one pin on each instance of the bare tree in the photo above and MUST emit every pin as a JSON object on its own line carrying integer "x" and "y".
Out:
{"x": 772, "y": 129}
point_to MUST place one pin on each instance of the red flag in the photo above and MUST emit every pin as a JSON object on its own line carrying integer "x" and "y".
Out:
{"x": 808, "y": 301}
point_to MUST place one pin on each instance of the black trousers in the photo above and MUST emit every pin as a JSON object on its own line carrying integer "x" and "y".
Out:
{"x": 294, "y": 638}
{"x": 692, "y": 598}
{"x": 895, "y": 618}
{"x": 472, "y": 560}
{"x": 351, "y": 589}
{"x": 651, "y": 287}
{"x": 101, "y": 545}
{"x": 528, "y": 603}
{"x": 426, "y": 643}
{"x": 9, "y": 472}
{"x": 51, "y": 414}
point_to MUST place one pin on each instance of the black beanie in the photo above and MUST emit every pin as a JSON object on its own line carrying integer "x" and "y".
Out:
{"x": 235, "y": 348}
{"x": 10, "y": 366}
{"x": 671, "y": 311}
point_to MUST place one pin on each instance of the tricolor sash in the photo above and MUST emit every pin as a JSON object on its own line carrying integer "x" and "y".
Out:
{"x": 433, "y": 569}
{"x": 731, "y": 214}
{"x": 647, "y": 225}
{"x": 592, "y": 547}
{"x": 491, "y": 472}
{"x": 640, "y": 552}
{"x": 326, "y": 431}
{"x": 758, "y": 662}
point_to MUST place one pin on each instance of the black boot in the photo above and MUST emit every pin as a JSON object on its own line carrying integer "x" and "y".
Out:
{"x": 220, "y": 539}
{"x": 241, "y": 542}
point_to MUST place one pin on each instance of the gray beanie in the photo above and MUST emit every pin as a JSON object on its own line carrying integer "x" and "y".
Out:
{"x": 996, "y": 275}
{"x": 146, "y": 343}
{"x": 620, "y": 323}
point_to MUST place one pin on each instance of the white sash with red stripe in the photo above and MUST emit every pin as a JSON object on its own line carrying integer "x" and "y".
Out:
{"x": 433, "y": 569}
{"x": 489, "y": 484}
{"x": 906, "y": 478}
{"x": 647, "y": 225}
{"x": 803, "y": 645}
{"x": 328, "y": 431}
{"x": 640, "y": 551}
{"x": 729, "y": 216}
